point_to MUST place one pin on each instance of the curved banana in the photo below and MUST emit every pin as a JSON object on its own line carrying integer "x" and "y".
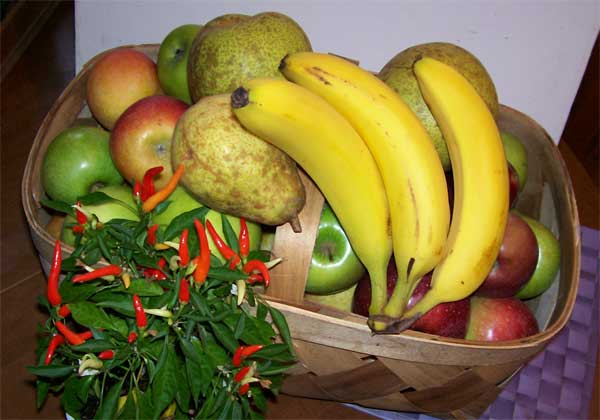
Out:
{"x": 480, "y": 184}
{"x": 326, "y": 146}
{"x": 410, "y": 166}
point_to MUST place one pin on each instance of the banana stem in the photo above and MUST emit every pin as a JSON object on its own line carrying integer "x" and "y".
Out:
{"x": 378, "y": 290}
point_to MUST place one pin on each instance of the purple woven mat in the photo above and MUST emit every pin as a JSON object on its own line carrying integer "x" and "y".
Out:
{"x": 558, "y": 383}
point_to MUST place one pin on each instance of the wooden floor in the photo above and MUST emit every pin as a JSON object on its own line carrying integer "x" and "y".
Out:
{"x": 32, "y": 79}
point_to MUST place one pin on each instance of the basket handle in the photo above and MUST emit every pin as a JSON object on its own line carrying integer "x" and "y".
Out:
{"x": 288, "y": 279}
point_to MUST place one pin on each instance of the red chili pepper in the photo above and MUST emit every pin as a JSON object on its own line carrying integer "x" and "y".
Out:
{"x": 137, "y": 190}
{"x": 151, "y": 238}
{"x": 244, "y": 351}
{"x": 52, "y": 290}
{"x": 244, "y": 238}
{"x": 255, "y": 278}
{"x": 64, "y": 311}
{"x": 72, "y": 337}
{"x": 160, "y": 196}
{"x": 203, "y": 259}
{"x": 140, "y": 316}
{"x": 55, "y": 341}
{"x": 80, "y": 216}
{"x": 239, "y": 377}
{"x": 148, "y": 182}
{"x": 132, "y": 337}
{"x": 184, "y": 291}
{"x": 243, "y": 389}
{"x": 109, "y": 270}
{"x": 227, "y": 253}
{"x": 86, "y": 335}
{"x": 106, "y": 355}
{"x": 78, "y": 229}
{"x": 258, "y": 265}
{"x": 184, "y": 252}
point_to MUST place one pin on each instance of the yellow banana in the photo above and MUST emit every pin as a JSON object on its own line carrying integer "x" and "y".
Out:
{"x": 481, "y": 193}
{"x": 406, "y": 157}
{"x": 326, "y": 146}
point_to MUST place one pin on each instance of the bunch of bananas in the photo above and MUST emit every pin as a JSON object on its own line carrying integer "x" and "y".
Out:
{"x": 378, "y": 169}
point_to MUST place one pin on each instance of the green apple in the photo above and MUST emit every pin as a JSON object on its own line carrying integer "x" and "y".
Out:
{"x": 172, "y": 61}
{"x": 516, "y": 154}
{"x": 548, "y": 262}
{"x": 341, "y": 300}
{"x": 106, "y": 211}
{"x": 334, "y": 265}
{"x": 182, "y": 201}
{"x": 76, "y": 162}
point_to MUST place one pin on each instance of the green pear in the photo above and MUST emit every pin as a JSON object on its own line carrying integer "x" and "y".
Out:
{"x": 232, "y": 171}
{"x": 398, "y": 74}
{"x": 233, "y": 48}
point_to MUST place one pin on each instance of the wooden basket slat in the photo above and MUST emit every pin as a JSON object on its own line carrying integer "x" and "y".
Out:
{"x": 412, "y": 371}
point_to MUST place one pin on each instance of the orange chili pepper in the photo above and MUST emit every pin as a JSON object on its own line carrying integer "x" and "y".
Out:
{"x": 160, "y": 196}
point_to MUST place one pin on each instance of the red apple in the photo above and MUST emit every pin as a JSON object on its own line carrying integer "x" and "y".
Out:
{"x": 120, "y": 78}
{"x": 513, "y": 184}
{"x": 499, "y": 319}
{"x": 446, "y": 319}
{"x": 141, "y": 138}
{"x": 516, "y": 260}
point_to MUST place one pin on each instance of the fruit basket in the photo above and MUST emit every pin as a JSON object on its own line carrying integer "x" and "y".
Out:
{"x": 339, "y": 359}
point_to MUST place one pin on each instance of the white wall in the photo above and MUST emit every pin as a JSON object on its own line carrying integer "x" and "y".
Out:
{"x": 535, "y": 50}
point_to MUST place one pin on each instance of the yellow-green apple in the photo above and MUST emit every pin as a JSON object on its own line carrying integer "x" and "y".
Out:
{"x": 141, "y": 138}
{"x": 500, "y": 319}
{"x": 334, "y": 265}
{"x": 117, "y": 80}
{"x": 548, "y": 262}
{"x": 124, "y": 208}
{"x": 341, "y": 300}
{"x": 516, "y": 154}
{"x": 76, "y": 162}
{"x": 172, "y": 61}
{"x": 446, "y": 319}
{"x": 182, "y": 201}
{"x": 516, "y": 260}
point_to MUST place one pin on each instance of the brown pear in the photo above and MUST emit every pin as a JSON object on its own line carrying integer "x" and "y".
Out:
{"x": 232, "y": 171}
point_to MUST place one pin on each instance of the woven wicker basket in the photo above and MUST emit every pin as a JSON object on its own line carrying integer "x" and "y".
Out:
{"x": 339, "y": 358}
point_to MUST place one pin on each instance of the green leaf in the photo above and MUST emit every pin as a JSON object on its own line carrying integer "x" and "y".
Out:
{"x": 92, "y": 256}
{"x": 122, "y": 305}
{"x": 190, "y": 351}
{"x": 225, "y": 336}
{"x": 143, "y": 287}
{"x": 51, "y": 371}
{"x": 184, "y": 220}
{"x": 239, "y": 328}
{"x": 59, "y": 206}
{"x": 225, "y": 274}
{"x": 182, "y": 391}
{"x": 109, "y": 403}
{"x": 261, "y": 311}
{"x": 96, "y": 197}
{"x": 93, "y": 346}
{"x": 230, "y": 237}
{"x": 90, "y": 315}
{"x": 70, "y": 399}
{"x": 259, "y": 399}
{"x": 72, "y": 292}
{"x": 236, "y": 410}
{"x": 41, "y": 392}
{"x": 282, "y": 326}
{"x": 217, "y": 353}
{"x": 162, "y": 206}
{"x": 164, "y": 385}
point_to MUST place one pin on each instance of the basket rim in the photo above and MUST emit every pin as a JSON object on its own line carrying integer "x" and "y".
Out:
{"x": 31, "y": 203}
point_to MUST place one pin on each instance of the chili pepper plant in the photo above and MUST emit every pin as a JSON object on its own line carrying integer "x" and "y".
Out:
{"x": 145, "y": 323}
